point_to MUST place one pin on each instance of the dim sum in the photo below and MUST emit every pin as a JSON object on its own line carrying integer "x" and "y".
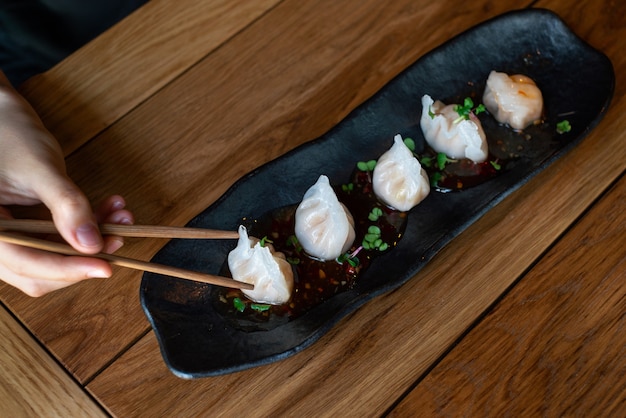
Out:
{"x": 269, "y": 271}
{"x": 514, "y": 100}
{"x": 323, "y": 225}
{"x": 447, "y": 132}
{"x": 399, "y": 179}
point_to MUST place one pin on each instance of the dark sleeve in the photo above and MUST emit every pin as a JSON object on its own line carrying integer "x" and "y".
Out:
{"x": 37, "y": 34}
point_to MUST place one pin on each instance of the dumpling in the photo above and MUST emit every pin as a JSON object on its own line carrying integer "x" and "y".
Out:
{"x": 269, "y": 271}
{"x": 445, "y": 132}
{"x": 515, "y": 100}
{"x": 398, "y": 179}
{"x": 324, "y": 226}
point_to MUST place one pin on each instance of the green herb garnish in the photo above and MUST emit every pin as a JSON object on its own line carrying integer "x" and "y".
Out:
{"x": 375, "y": 214}
{"x": 260, "y": 307}
{"x": 348, "y": 258}
{"x": 293, "y": 261}
{"x": 410, "y": 144}
{"x": 426, "y": 162}
{"x": 292, "y": 241}
{"x": 265, "y": 240}
{"x": 347, "y": 187}
{"x": 466, "y": 109}
{"x": 563, "y": 127}
{"x": 431, "y": 113}
{"x": 239, "y": 304}
{"x": 366, "y": 165}
{"x": 373, "y": 240}
{"x": 442, "y": 160}
{"x": 495, "y": 164}
{"x": 435, "y": 178}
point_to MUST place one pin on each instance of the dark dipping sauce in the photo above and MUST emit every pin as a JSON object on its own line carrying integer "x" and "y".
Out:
{"x": 316, "y": 281}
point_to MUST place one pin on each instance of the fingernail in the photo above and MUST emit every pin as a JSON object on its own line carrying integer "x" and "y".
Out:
{"x": 97, "y": 274}
{"x": 118, "y": 205}
{"x": 88, "y": 236}
{"x": 113, "y": 245}
{"x": 126, "y": 221}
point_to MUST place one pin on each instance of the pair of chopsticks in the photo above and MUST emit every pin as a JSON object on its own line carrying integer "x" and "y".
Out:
{"x": 8, "y": 226}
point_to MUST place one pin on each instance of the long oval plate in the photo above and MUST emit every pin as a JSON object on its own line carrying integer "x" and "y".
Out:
{"x": 577, "y": 82}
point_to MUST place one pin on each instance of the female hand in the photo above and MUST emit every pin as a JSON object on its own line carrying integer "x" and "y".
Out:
{"x": 32, "y": 170}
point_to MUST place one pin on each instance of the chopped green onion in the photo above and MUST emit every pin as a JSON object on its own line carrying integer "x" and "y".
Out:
{"x": 563, "y": 127}
{"x": 260, "y": 307}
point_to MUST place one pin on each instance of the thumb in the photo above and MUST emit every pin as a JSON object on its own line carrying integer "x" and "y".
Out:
{"x": 71, "y": 213}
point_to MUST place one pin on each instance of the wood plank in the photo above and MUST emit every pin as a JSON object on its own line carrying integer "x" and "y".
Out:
{"x": 110, "y": 76}
{"x": 555, "y": 346}
{"x": 32, "y": 384}
{"x": 248, "y": 102}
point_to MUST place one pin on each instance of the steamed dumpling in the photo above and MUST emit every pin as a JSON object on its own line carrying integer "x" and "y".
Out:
{"x": 269, "y": 271}
{"x": 324, "y": 226}
{"x": 445, "y": 133}
{"x": 399, "y": 180}
{"x": 515, "y": 100}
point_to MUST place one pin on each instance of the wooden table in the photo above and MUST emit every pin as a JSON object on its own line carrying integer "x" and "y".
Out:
{"x": 521, "y": 315}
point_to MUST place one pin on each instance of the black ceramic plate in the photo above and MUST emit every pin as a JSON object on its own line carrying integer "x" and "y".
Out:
{"x": 577, "y": 83}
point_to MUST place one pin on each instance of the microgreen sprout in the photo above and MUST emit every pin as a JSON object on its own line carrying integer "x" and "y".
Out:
{"x": 292, "y": 241}
{"x": 373, "y": 240}
{"x": 239, "y": 304}
{"x": 495, "y": 164}
{"x": 347, "y": 187}
{"x": 467, "y": 109}
{"x": 265, "y": 240}
{"x": 366, "y": 165}
{"x": 375, "y": 213}
{"x": 348, "y": 258}
{"x": 426, "y": 162}
{"x": 563, "y": 126}
{"x": 410, "y": 144}
{"x": 435, "y": 178}
{"x": 442, "y": 160}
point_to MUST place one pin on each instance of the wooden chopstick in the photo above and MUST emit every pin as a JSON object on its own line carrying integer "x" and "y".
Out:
{"x": 142, "y": 231}
{"x": 64, "y": 249}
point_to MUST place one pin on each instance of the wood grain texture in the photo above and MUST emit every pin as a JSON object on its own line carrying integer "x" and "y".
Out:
{"x": 286, "y": 79}
{"x": 118, "y": 70}
{"x": 377, "y": 353}
{"x": 32, "y": 384}
{"x": 555, "y": 346}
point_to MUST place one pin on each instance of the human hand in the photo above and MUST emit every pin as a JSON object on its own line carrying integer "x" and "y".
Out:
{"x": 32, "y": 170}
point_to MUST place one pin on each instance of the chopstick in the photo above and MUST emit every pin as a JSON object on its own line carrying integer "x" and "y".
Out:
{"x": 142, "y": 231}
{"x": 124, "y": 262}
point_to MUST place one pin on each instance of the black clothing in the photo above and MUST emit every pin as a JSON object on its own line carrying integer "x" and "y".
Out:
{"x": 37, "y": 34}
